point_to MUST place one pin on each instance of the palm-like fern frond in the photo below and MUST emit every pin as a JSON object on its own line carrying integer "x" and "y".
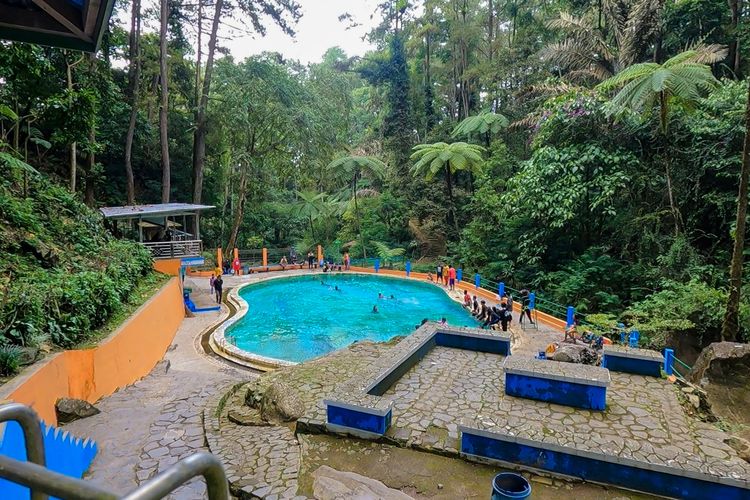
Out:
{"x": 482, "y": 123}
{"x": 430, "y": 159}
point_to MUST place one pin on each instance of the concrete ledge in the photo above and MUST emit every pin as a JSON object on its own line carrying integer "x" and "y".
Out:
{"x": 629, "y": 360}
{"x": 598, "y": 467}
{"x": 372, "y": 419}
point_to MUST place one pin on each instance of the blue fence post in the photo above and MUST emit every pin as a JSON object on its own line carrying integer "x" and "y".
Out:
{"x": 408, "y": 268}
{"x": 532, "y": 301}
{"x": 377, "y": 265}
{"x": 477, "y": 281}
{"x": 571, "y": 316}
{"x": 459, "y": 274}
{"x": 501, "y": 290}
{"x": 635, "y": 337}
{"x": 669, "y": 361}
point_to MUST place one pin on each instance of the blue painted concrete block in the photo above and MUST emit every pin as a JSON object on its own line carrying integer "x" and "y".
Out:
{"x": 591, "y": 468}
{"x": 65, "y": 454}
{"x": 632, "y": 365}
{"x": 493, "y": 345}
{"x": 556, "y": 391}
{"x": 359, "y": 420}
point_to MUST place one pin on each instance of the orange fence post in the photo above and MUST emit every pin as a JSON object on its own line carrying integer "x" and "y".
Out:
{"x": 320, "y": 253}
{"x": 264, "y": 252}
{"x": 219, "y": 260}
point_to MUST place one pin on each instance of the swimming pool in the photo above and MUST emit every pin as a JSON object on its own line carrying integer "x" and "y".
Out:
{"x": 303, "y": 317}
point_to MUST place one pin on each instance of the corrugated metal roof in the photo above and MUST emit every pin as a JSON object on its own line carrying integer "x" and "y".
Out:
{"x": 162, "y": 210}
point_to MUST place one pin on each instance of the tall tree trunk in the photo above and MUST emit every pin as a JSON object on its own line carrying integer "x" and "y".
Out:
{"x": 88, "y": 197}
{"x": 135, "y": 75}
{"x": 239, "y": 210}
{"x": 356, "y": 216}
{"x": 676, "y": 217}
{"x": 73, "y": 148}
{"x": 198, "y": 54}
{"x": 730, "y": 327}
{"x": 735, "y": 7}
{"x": 199, "y": 142}
{"x": 164, "y": 81}
{"x": 451, "y": 209}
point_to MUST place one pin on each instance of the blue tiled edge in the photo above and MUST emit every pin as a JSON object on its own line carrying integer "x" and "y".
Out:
{"x": 598, "y": 467}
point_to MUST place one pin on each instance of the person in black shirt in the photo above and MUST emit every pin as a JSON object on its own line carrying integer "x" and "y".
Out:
{"x": 218, "y": 285}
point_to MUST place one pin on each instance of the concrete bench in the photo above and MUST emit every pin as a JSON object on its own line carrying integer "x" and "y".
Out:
{"x": 361, "y": 415}
{"x": 568, "y": 384}
{"x": 632, "y": 360}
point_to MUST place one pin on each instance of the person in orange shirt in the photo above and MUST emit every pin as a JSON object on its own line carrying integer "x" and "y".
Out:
{"x": 452, "y": 277}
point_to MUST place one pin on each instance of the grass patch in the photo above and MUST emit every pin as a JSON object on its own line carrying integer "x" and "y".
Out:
{"x": 146, "y": 288}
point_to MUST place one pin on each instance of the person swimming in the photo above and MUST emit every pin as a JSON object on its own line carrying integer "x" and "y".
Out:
{"x": 392, "y": 297}
{"x": 375, "y": 309}
{"x": 336, "y": 288}
{"x": 380, "y": 295}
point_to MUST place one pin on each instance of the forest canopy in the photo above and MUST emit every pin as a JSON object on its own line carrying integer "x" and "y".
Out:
{"x": 590, "y": 151}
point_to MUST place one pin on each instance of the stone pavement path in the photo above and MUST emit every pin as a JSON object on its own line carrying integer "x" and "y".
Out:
{"x": 159, "y": 418}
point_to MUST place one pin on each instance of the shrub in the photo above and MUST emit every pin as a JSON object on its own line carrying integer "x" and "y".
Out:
{"x": 10, "y": 360}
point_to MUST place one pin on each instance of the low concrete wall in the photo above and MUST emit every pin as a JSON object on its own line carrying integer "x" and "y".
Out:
{"x": 545, "y": 318}
{"x": 168, "y": 266}
{"x": 124, "y": 357}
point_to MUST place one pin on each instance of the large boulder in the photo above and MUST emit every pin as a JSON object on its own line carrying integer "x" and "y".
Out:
{"x": 70, "y": 409}
{"x": 575, "y": 353}
{"x": 281, "y": 403}
{"x": 723, "y": 371}
{"x": 331, "y": 484}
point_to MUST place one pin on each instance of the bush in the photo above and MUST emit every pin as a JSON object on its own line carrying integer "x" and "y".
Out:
{"x": 10, "y": 360}
{"x": 63, "y": 275}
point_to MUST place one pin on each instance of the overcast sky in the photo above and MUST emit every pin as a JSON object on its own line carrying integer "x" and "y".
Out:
{"x": 318, "y": 30}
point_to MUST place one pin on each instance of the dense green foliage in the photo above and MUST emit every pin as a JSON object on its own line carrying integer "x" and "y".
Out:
{"x": 63, "y": 274}
{"x": 598, "y": 161}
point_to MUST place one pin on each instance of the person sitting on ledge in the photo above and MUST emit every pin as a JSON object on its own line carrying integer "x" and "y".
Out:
{"x": 467, "y": 299}
{"x": 443, "y": 321}
{"x": 474, "y": 306}
{"x": 571, "y": 332}
{"x": 283, "y": 263}
{"x": 493, "y": 317}
{"x": 429, "y": 277}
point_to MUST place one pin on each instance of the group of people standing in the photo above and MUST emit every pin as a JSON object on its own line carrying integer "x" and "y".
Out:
{"x": 445, "y": 276}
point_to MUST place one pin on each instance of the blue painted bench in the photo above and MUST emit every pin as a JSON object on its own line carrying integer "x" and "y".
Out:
{"x": 568, "y": 384}
{"x": 481, "y": 442}
{"x": 363, "y": 416}
{"x": 632, "y": 360}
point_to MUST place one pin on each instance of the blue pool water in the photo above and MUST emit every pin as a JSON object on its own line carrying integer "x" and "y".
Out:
{"x": 299, "y": 318}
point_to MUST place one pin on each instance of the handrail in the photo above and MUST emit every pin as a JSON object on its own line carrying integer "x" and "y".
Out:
{"x": 175, "y": 248}
{"x": 32, "y": 435}
{"x": 43, "y": 482}
{"x": 201, "y": 464}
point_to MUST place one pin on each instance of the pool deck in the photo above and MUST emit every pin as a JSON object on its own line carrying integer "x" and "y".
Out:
{"x": 643, "y": 423}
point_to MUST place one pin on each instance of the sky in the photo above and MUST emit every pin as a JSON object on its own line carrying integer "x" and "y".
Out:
{"x": 317, "y": 31}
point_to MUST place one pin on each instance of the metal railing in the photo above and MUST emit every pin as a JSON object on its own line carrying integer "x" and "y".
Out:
{"x": 43, "y": 482}
{"x": 175, "y": 249}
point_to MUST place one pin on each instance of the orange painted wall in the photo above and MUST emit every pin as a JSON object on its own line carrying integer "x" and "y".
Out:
{"x": 127, "y": 355}
{"x": 481, "y": 292}
{"x": 168, "y": 266}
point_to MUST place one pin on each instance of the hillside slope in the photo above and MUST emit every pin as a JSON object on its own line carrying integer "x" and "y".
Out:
{"x": 61, "y": 273}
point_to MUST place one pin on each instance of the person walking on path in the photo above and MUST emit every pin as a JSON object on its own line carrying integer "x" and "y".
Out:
{"x": 236, "y": 266}
{"x": 310, "y": 260}
{"x": 346, "y": 261}
{"x": 439, "y": 271}
{"x": 218, "y": 288}
{"x": 211, "y": 282}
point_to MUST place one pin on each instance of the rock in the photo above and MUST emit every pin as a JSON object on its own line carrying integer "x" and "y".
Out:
{"x": 246, "y": 416}
{"x": 440, "y": 486}
{"x": 574, "y": 353}
{"x": 688, "y": 390}
{"x": 723, "y": 371}
{"x": 741, "y": 446}
{"x": 694, "y": 400}
{"x": 69, "y": 409}
{"x": 281, "y": 403}
{"x": 330, "y": 484}
{"x": 28, "y": 355}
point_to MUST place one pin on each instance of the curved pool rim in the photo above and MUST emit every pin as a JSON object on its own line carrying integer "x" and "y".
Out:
{"x": 227, "y": 350}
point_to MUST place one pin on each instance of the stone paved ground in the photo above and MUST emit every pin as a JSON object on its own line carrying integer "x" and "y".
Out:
{"x": 158, "y": 420}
